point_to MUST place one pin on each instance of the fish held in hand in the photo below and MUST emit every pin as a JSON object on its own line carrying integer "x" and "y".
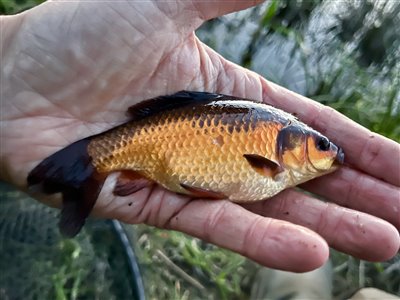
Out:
{"x": 203, "y": 145}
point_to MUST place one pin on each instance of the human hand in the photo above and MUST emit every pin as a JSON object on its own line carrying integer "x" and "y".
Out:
{"x": 71, "y": 69}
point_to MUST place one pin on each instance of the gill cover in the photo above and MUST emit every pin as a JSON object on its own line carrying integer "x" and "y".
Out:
{"x": 292, "y": 146}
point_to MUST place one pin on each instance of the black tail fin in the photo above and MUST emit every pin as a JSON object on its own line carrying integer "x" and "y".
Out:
{"x": 70, "y": 172}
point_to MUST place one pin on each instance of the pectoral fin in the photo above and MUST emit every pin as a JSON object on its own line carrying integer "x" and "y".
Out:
{"x": 263, "y": 165}
{"x": 130, "y": 182}
{"x": 203, "y": 193}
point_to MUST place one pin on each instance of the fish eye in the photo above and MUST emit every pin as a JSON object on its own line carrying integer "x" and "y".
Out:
{"x": 323, "y": 143}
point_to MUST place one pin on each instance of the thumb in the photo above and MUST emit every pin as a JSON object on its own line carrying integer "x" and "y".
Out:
{"x": 216, "y": 8}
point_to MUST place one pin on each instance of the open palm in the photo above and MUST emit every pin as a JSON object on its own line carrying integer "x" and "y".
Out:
{"x": 71, "y": 69}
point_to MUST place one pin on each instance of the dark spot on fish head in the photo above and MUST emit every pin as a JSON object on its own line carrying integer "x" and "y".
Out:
{"x": 130, "y": 204}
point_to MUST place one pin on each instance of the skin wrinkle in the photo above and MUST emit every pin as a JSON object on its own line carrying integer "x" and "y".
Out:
{"x": 73, "y": 16}
{"x": 147, "y": 210}
{"x": 351, "y": 192}
{"x": 324, "y": 222}
{"x": 204, "y": 62}
{"x": 327, "y": 113}
{"x": 212, "y": 219}
{"x": 173, "y": 221}
{"x": 56, "y": 60}
{"x": 196, "y": 77}
{"x": 165, "y": 14}
{"x": 370, "y": 151}
{"x": 250, "y": 233}
{"x": 214, "y": 72}
{"x": 199, "y": 11}
{"x": 162, "y": 61}
{"x": 143, "y": 214}
{"x": 8, "y": 37}
{"x": 45, "y": 113}
{"x": 123, "y": 40}
{"x": 159, "y": 66}
{"x": 29, "y": 54}
{"x": 282, "y": 203}
{"x": 9, "y": 117}
{"x": 30, "y": 85}
{"x": 156, "y": 216}
{"x": 145, "y": 35}
{"x": 345, "y": 199}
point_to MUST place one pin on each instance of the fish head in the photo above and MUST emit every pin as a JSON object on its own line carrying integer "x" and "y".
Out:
{"x": 307, "y": 152}
{"x": 322, "y": 154}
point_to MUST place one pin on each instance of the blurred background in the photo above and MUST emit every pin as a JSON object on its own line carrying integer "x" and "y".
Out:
{"x": 345, "y": 54}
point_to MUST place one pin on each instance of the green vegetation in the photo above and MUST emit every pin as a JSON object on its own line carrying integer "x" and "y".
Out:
{"x": 8, "y": 7}
{"x": 343, "y": 54}
{"x": 37, "y": 264}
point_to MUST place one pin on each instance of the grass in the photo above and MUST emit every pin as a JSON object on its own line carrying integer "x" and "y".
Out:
{"x": 177, "y": 266}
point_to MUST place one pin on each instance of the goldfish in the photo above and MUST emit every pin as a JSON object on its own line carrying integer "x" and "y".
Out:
{"x": 200, "y": 144}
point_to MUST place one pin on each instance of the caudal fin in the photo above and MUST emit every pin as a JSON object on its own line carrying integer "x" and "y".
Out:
{"x": 70, "y": 172}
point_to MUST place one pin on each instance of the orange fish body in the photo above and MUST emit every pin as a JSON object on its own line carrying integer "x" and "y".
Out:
{"x": 199, "y": 144}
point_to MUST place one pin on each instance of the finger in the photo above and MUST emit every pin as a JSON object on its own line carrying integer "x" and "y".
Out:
{"x": 349, "y": 231}
{"x": 212, "y": 9}
{"x": 368, "y": 151}
{"x": 273, "y": 243}
{"x": 350, "y": 188}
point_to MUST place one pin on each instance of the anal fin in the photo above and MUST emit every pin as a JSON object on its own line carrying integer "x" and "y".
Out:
{"x": 203, "y": 193}
{"x": 73, "y": 212}
{"x": 130, "y": 182}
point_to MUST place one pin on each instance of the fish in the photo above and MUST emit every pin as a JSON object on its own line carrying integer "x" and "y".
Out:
{"x": 199, "y": 144}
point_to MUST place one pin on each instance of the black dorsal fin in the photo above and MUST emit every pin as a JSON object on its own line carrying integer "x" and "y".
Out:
{"x": 153, "y": 106}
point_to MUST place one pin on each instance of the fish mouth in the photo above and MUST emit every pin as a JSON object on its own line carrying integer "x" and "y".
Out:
{"x": 339, "y": 159}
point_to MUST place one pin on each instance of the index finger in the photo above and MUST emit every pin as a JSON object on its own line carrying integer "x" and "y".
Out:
{"x": 365, "y": 150}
